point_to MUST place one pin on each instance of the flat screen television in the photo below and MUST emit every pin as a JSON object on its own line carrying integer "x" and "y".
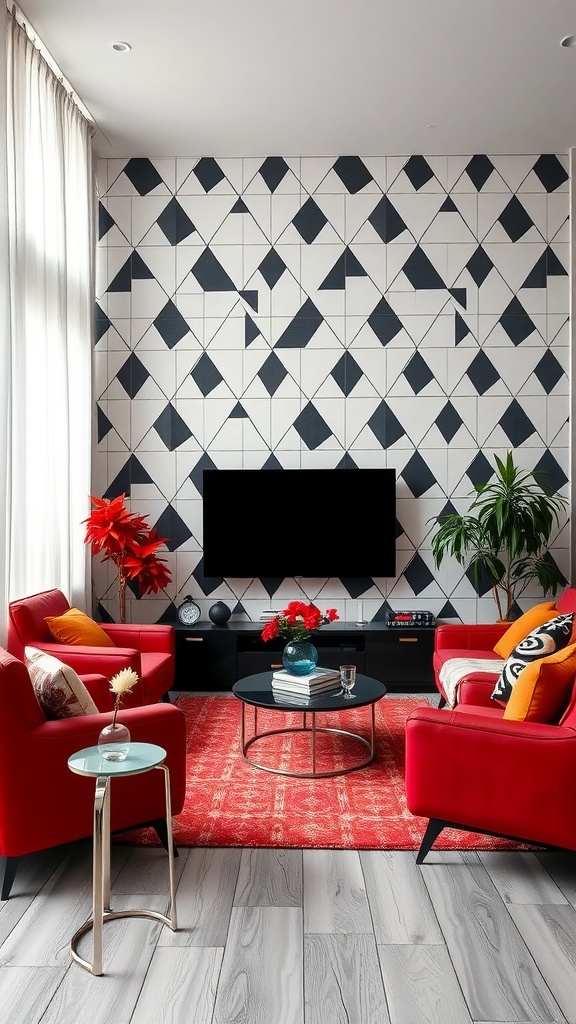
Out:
{"x": 312, "y": 523}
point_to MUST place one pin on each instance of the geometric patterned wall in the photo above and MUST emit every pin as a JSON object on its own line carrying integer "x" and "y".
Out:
{"x": 325, "y": 312}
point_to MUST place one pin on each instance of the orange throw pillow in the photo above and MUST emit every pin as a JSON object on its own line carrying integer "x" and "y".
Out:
{"x": 521, "y": 627}
{"x": 541, "y": 692}
{"x": 77, "y": 629}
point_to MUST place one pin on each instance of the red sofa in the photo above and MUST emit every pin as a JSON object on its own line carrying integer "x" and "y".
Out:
{"x": 148, "y": 649}
{"x": 470, "y": 768}
{"x": 42, "y": 803}
{"x": 477, "y": 642}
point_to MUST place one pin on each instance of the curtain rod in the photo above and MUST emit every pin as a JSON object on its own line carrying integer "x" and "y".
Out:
{"x": 34, "y": 38}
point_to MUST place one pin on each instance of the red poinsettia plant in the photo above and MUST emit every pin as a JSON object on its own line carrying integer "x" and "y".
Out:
{"x": 125, "y": 538}
{"x": 298, "y": 621}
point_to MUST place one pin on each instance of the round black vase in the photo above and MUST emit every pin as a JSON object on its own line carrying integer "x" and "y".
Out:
{"x": 219, "y": 613}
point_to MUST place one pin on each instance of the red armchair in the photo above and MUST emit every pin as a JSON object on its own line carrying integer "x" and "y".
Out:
{"x": 471, "y": 769}
{"x": 42, "y": 803}
{"x": 476, "y": 642}
{"x": 148, "y": 649}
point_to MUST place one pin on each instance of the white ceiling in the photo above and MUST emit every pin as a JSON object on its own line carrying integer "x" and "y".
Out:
{"x": 318, "y": 77}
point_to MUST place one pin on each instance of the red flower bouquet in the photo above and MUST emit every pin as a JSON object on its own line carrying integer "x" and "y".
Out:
{"x": 125, "y": 538}
{"x": 298, "y": 622}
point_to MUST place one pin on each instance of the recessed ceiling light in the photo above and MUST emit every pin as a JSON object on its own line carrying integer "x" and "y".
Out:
{"x": 568, "y": 41}
{"x": 121, "y": 47}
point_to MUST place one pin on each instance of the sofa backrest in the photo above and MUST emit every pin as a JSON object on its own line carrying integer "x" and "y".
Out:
{"x": 19, "y": 708}
{"x": 26, "y": 619}
{"x": 566, "y": 603}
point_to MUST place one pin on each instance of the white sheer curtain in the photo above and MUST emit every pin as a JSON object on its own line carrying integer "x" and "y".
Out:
{"x": 48, "y": 404}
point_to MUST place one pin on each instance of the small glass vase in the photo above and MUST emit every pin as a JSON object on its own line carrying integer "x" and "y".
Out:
{"x": 299, "y": 657}
{"x": 114, "y": 742}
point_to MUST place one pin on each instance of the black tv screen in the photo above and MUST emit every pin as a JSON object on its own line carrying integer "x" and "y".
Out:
{"x": 299, "y": 522}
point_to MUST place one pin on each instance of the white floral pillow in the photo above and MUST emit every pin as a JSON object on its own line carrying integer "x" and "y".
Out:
{"x": 60, "y": 691}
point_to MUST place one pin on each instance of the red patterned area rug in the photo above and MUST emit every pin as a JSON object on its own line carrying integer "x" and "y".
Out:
{"x": 231, "y": 803}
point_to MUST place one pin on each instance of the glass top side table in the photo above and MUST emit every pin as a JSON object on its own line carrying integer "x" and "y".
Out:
{"x": 142, "y": 757}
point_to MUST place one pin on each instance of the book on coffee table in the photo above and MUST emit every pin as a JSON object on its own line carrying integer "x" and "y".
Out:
{"x": 311, "y": 680}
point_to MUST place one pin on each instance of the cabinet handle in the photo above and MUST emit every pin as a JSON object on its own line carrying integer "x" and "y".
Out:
{"x": 194, "y": 639}
{"x": 408, "y": 639}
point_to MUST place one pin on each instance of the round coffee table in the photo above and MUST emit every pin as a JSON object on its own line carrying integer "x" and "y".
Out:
{"x": 256, "y": 691}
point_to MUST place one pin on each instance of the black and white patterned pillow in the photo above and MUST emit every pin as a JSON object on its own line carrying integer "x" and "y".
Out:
{"x": 542, "y": 641}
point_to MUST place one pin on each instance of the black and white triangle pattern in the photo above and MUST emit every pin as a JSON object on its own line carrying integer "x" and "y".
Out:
{"x": 356, "y": 311}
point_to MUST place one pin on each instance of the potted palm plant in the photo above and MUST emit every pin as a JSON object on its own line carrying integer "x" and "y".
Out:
{"x": 503, "y": 540}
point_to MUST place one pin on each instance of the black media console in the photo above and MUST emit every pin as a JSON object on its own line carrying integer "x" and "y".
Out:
{"x": 212, "y": 657}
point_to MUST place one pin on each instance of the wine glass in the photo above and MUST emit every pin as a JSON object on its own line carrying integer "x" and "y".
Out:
{"x": 347, "y": 679}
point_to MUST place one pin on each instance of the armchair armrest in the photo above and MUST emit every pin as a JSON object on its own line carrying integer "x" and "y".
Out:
{"x": 475, "y": 637}
{"x": 159, "y": 639}
{"x": 513, "y": 778}
{"x": 104, "y": 661}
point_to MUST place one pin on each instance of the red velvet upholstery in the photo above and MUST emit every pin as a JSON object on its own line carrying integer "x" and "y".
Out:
{"x": 477, "y": 641}
{"x": 149, "y": 650}
{"x": 42, "y": 803}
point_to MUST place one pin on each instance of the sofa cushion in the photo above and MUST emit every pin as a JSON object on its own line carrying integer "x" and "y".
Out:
{"x": 60, "y": 691}
{"x": 77, "y": 629}
{"x": 521, "y": 627}
{"x": 544, "y": 640}
{"x": 543, "y": 688}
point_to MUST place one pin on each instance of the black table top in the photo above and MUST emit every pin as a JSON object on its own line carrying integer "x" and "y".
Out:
{"x": 257, "y": 690}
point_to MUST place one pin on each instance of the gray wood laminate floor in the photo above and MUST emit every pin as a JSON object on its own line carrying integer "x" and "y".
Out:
{"x": 297, "y": 937}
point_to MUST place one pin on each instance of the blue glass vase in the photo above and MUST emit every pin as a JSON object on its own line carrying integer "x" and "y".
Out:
{"x": 299, "y": 657}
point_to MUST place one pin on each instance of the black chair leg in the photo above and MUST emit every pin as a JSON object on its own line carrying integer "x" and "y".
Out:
{"x": 10, "y": 865}
{"x": 161, "y": 831}
{"x": 433, "y": 830}
{"x": 442, "y": 701}
{"x": 166, "y": 698}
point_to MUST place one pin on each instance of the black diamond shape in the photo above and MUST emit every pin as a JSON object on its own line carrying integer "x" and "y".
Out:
{"x": 553, "y": 476}
{"x": 459, "y": 294}
{"x": 101, "y": 323}
{"x": 197, "y": 474}
{"x": 480, "y": 471}
{"x": 138, "y": 269}
{"x": 250, "y": 295}
{"x": 548, "y": 371}
{"x": 461, "y": 328}
{"x": 447, "y": 611}
{"x": 301, "y": 328}
{"x": 239, "y": 207}
{"x": 206, "y": 375}
{"x": 105, "y": 221}
{"x": 516, "y": 322}
{"x": 482, "y": 373}
{"x": 211, "y": 275}
{"x": 550, "y": 171}
{"x": 418, "y": 171}
{"x": 352, "y": 172}
{"x": 309, "y": 221}
{"x": 418, "y": 373}
{"x": 272, "y": 268}
{"x": 142, "y": 174}
{"x": 207, "y": 584}
{"x": 273, "y": 170}
{"x": 479, "y": 266}
{"x": 353, "y": 266}
{"x": 310, "y": 426}
{"x": 346, "y": 373}
{"x": 132, "y": 472}
{"x": 449, "y": 422}
{"x": 251, "y": 331}
{"x": 357, "y": 585}
{"x": 448, "y": 206}
{"x": 537, "y": 276}
{"x": 171, "y": 325}
{"x": 272, "y": 373}
{"x": 238, "y": 412}
{"x": 418, "y": 476}
{"x": 175, "y": 222}
{"x": 516, "y": 424}
{"x": 385, "y": 426}
{"x": 479, "y": 169}
{"x": 417, "y": 574}
{"x": 171, "y": 428}
{"x": 420, "y": 271}
{"x": 335, "y": 279}
{"x": 386, "y": 220}
{"x": 483, "y": 584}
{"x": 515, "y": 220}
{"x": 384, "y": 322}
{"x": 122, "y": 281}
{"x": 132, "y": 375}
{"x": 208, "y": 172}
{"x": 382, "y": 613}
{"x": 553, "y": 266}
{"x": 173, "y": 527}
{"x": 103, "y": 424}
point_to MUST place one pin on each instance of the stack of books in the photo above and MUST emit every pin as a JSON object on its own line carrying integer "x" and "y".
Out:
{"x": 301, "y": 689}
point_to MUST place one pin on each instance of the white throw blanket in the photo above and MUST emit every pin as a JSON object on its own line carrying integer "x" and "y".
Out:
{"x": 454, "y": 670}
